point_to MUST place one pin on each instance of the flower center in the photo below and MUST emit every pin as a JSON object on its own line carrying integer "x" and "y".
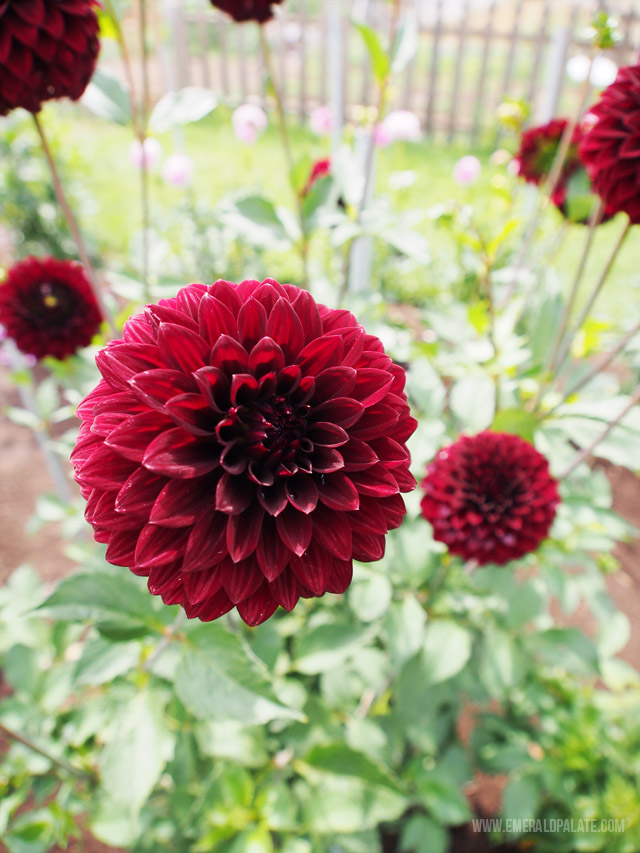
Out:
{"x": 51, "y": 302}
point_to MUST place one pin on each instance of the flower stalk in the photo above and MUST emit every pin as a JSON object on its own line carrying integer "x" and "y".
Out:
{"x": 62, "y": 763}
{"x": 73, "y": 226}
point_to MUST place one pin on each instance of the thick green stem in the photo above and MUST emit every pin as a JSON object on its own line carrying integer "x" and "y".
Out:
{"x": 73, "y": 226}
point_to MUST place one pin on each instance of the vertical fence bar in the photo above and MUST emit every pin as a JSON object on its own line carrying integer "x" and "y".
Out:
{"x": 203, "y": 35}
{"x": 223, "y": 59}
{"x": 411, "y": 19}
{"x": 433, "y": 71}
{"x": 302, "y": 53}
{"x": 514, "y": 37}
{"x": 242, "y": 61}
{"x": 335, "y": 53}
{"x": 482, "y": 77}
{"x": 462, "y": 38}
{"x": 541, "y": 41}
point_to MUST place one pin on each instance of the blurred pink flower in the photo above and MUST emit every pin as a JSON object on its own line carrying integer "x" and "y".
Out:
{"x": 467, "y": 170}
{"x": 402, "y": 126}
{"x": 381, "y": 136}
{"x": 249, "y": 121}
{"x": 321, "y": 120}
{"x": 149, "y": 157}
{"x": 178, "y": 170}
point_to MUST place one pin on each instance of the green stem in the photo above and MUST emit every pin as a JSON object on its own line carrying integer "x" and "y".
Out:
{"x": 59, "y": 762}
{"x": 286, "y": 147}
{"x": 587, "y": 451}
{"x": 73, "y": 226}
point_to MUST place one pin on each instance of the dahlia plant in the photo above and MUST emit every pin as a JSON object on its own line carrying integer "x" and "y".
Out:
{"x": 276, "y": 641}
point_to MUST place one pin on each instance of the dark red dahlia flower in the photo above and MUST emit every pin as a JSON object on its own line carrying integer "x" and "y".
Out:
{"x": 538, "y": 148}
{"x": 490, "y": 497}
{"x": 610, "y": 149}
{"x": 48, "y": 308}
{"x": 247, "y": 10}
{"x": 243, "y": 446}
{"x": 47, "y": 50}
{"x": 320, "y": 169}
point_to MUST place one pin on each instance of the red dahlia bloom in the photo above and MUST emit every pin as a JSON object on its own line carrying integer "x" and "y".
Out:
{"x": 243, "y": 446}
{"x": 48, "y": 308}
{"x": 611, "y": 147}
{"x": 47, "y": 50}
{"x": 247, "y": 10}
{"x": 538, "y": 148}
{"x": 320, "y": 169}
{"x": 490, "y": 497}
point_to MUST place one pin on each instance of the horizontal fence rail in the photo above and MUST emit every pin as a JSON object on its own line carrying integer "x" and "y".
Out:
{"x": 470, "y": 55}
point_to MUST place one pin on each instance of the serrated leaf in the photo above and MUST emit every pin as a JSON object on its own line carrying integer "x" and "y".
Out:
{"x": 219, "y": 679}
{"x": 102, "y": 661}
{"x": 340, "y": 760}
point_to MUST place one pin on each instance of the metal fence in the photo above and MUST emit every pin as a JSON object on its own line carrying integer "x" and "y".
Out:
{"x": 470, "y": 54}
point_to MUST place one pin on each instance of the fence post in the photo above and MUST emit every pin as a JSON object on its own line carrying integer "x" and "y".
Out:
{"x": 335, "y": 66}
{"x": 554, "y": 75}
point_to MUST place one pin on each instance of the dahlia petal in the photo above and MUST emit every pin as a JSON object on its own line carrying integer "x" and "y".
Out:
{"x": 370, "y": 518}
{"x": 162, "y": 579}
{"x": 313, "y": 569}
{"x": 180, "y": 505}
{"x": 307, "y": 310}
{"x": 206, "y": 546}
{"x": 273, "y": 499}
{"x": 156, "y": 387}
{"x": 343, "y": 411}
{"x": 252, "y": 322}
{"x": 393, "y": 453}
{"x": 191, "y": 412}
{"x": 371, "y": 385}
{"x": 199, "y": 586}
{"x": 271, "y": 553}
{"x": 215, "y": 387}
{"x": 227, "y": 293}
{"x": 376, "y": 481}
{"x": 332, "y": 530}
{"x": 209, "y": 608}
{"x": 288, "y": 379}
{"x": 106, "y": 469}
{"x": 259, "y": 607}
{"x": 326, "y": 460}
{"x": 229, "y": 356}
{"x": 215, "y": 319}
{"x": 341, "y": 577}
{"x": 244, "y": 389}
{"x": 266, "y": 356}
{"x": 233, "y": 494}
{"x": 303, "y": 392}
{"x": 336, "y": 491}
{"x": 334, "y": 382}
{"x": 302, "y": 493}
{"x": 295, "y": 529}
{"x": 285, "y": 590}
{"x": 159, "y": 545}
{"x": 377, "y": 420}
{"x": 357, "y": 455}
{"x": 122, "y": 547}
{"x": 243, "y": 532}
{"x": 285, "y": 328}
{"x": 394, "y": 509}
{"x": 327, "y": 434}
{"x": 131, "y": 438}
{"x": 176, "y": 453}
{"x": 189, "y": 298}
{"x": 119, "y": 362}
{"x": 405, "y": 479}
{"x": 139, "y": 492}
{"x": 321, "y": 353}
{"x": 168, "y": 313}
{"x": 241, "y": 580}
{"x": 353, "y": 346}
{"x": 182, "y": 348}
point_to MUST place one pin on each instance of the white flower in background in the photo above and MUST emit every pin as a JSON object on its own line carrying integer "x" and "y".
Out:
{"x": 148, "y": 157}
{"x": 467, "y": 170}
{"x": 321, "y": 120}
{"x": 249, "y": 121}
{"x": 603, "y": 70}
{"x": 402, "y": 180}
{"x": 178, "y": 170}
{"x": 402, "y": 126}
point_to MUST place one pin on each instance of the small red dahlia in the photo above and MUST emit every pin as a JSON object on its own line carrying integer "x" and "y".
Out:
{"x": 244, "y": 445}
{"x": 320, "y": 169}
{"x": 611, "y": 147}
{"x": 247, "y": 10}
{"x": 490, "y": 497}
{"x": 48, "y": 308}
{"x": 47, "y": 50}
{"x": 538, "y": 148}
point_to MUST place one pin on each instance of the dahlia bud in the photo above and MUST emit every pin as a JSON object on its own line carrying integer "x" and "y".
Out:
{"x": 47, "y": 50}
{"x": 244, "y": 445}
{"x": 490, "y": 497}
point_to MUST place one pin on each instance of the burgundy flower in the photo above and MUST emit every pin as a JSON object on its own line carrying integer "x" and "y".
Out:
{"x": 48, "y": 308}
{"x": 47, "y": 50}
{"x": 611, "y": 147}
{"x": 320, "y": 169}
{"x": 247, "y": 10}
{"x": 538, "y": 148}
{"x": 490, "y": 497}
{"x": 243, "y": 446}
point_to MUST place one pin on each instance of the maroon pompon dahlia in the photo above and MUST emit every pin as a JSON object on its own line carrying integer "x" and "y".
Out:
{"x": 47, "y": 50}
{"x": 48, "y": 307}
{"x": 247, "y": 10}
{"x": 538, "y": 148}
{"x": 244, "y": 445}
{"x": 490, "y": 497}
{"x": 610, "y": 149}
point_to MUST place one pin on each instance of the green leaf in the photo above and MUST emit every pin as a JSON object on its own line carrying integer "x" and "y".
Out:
{"x": 405, "y": 44}
{"x": 379, "y": 59}
{"x": 424, "y": 835}
{"x": 257, "y": 219}
{"x": 521, "y": 799}
{"x": 106, "y": 97}
{"x": 473, "y": 402}
{"x": 340, "y": 760}
{"x": 21, "y": 669}
{"x": 370, "y": 596}
{"x": 185, "y": 106}
{"x": 501, "y": 663}
{"x": 132, "y": 761}
{"x": 117, "y": 598}
{"x": 446, "y": 650}
{"x": 220, "y": 679}
{"x": 517, "y": 422}
{"x": 326, "y": 647}
{"x": 405, "y": 625}
{"x": 317, "y": 197}
{"x": 568, "y": 648}
{"x": 102, "y": 661}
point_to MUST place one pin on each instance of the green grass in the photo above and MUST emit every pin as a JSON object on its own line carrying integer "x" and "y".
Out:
{"x": 225, "y": 166}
